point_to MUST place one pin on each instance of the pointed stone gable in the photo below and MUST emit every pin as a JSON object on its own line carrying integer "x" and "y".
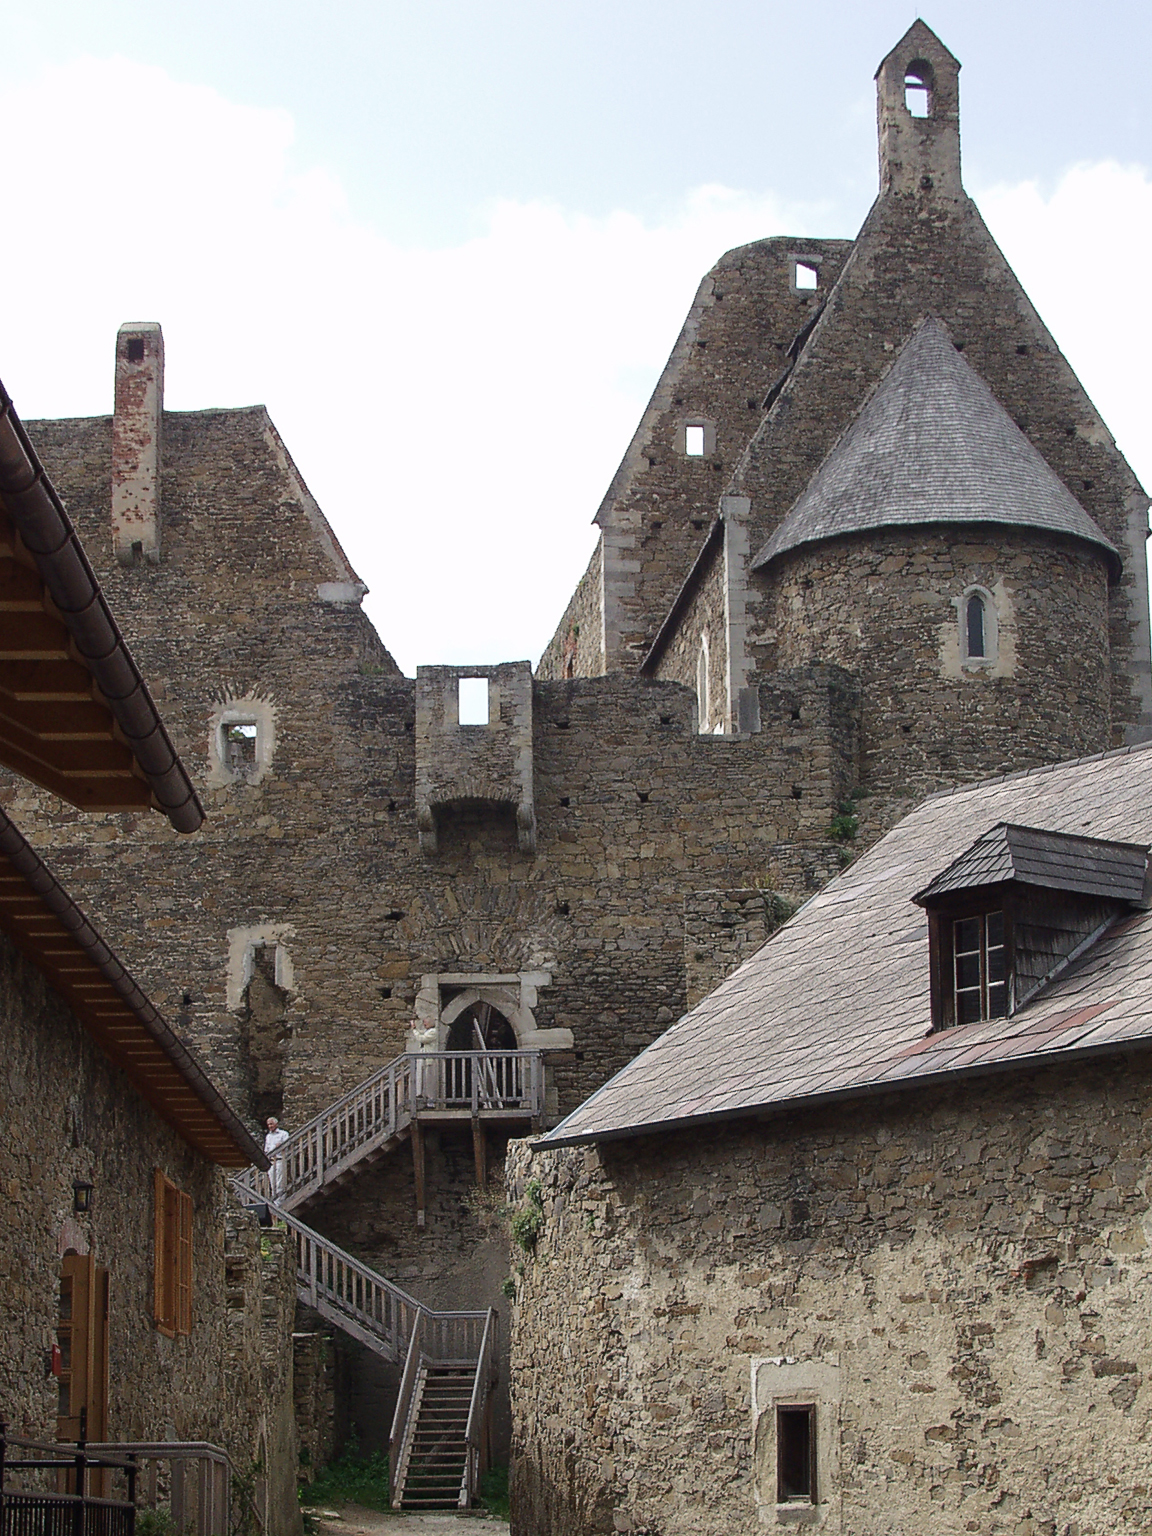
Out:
{"x": 931, "y": 446}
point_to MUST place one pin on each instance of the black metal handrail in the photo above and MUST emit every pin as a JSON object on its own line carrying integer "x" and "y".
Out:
{"x": 37, "y": 1512}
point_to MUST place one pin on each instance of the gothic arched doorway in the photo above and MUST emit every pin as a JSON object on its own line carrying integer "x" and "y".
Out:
{"x": 482, "y": 1029}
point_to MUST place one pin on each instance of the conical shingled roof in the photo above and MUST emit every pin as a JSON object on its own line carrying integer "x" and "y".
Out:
{"x": 932, "y": 445}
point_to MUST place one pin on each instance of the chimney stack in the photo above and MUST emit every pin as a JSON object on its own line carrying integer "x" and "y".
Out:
{"x": 136, "y": 442}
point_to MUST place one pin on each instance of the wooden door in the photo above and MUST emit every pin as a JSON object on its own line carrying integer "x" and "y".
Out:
{"x": 82, "y": 1338}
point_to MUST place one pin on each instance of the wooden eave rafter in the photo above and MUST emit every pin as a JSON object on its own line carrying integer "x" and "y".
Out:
{"x": 56, "y": 729}
{"x": 45, "y": 926}
{"x": 75, "y": 715}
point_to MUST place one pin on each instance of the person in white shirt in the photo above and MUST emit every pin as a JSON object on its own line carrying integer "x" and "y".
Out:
{"x": 273, "y": 1141}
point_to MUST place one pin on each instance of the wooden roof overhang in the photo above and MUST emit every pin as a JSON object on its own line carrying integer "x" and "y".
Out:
{"x": 45, "y": 924}
{"x": 75, "y": 714}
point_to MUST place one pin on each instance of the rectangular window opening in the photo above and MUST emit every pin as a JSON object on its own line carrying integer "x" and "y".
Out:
{"x": 796, "y": 1454}
{"x": 473, "y": 701}
{"x": 240, "y": 744}
{"x": 807, "y": 276}
{"x": 135, "y": 349}
{"x": 694, "y": 442}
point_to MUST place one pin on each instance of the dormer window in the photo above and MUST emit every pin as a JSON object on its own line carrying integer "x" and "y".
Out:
{"x": 1017, "y": 909}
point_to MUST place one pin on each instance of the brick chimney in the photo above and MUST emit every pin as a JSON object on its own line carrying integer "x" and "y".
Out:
{"x": 136, "y": 442}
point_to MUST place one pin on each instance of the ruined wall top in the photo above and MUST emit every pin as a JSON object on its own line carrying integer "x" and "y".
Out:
{"x": 474, "y": 743}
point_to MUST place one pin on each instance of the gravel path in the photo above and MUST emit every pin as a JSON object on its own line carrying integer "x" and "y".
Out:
{"x": 352, "y": 1520}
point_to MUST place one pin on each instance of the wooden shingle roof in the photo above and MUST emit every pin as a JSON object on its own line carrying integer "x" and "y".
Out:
{"x": 1058, "y": 861}
{"x": 932, "y": 445}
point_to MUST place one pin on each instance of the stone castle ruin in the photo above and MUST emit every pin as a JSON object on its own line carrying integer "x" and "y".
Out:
{"x": 871, "y": 539}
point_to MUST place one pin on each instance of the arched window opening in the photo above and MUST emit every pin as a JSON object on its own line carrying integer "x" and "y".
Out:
{"x": 703, "y": 702}
{"x": 974, "y": 619}
{"x": 978, "y": 628}
{"x": 918, "y": 89}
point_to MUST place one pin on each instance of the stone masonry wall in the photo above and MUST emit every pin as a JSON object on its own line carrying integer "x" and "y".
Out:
{"x": 66, "y": 1113}
{"x": 259, "y": 1388}
{"x": 887, "y": 609}
{"x": 704, "y": 616}
{"x": 721, "y": 929}
{"x": 577, "y": 647}
{"x": 932, "y": 254}
{"x": 960, "y": 1276}
{"x": 733, "y": 348}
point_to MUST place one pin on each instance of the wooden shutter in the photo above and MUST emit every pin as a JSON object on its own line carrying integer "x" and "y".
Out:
{"x": 172, "y": 1267}
{"x": 183, "y": 1265}
{"x": 163, "y": 1286}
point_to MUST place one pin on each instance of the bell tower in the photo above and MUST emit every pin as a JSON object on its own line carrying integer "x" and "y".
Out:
{"x": 918, "y": 117}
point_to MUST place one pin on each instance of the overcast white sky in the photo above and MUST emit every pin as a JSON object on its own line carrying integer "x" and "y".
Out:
{"x": 450, "y": 244}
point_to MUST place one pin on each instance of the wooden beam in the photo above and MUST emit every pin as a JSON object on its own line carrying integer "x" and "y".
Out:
{"x": 37, "y": 681}
{"x": 480, "y": 1151}
{"x": 33, "y": 637}
{"x": 418, "y": 1170}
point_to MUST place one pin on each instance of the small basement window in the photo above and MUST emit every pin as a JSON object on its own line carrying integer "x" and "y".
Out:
{"x": 473, "y": 701}
{"x": 806, "y": 278}
{"x": 796, "y": 1454}
{"x": 694, "y": 442}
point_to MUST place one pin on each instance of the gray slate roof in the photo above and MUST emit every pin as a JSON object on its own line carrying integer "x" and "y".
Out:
{"x": 932, "y": 445}
{"x": 1092, "y": 866}
{"x": 837, "y": 1003}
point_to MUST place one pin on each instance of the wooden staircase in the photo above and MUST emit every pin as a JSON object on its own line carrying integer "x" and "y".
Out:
{"x": 452, "y": 1356}
{"x": 388, "y": 1108}
{"x": 435, "y": 1458}
{"x": 439, "y": 1446}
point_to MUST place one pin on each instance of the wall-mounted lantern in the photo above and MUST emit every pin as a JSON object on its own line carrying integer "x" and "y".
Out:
{"x": 81, "y": 1196}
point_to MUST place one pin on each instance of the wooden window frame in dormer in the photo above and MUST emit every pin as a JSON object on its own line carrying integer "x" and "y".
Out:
{"x": 942, "y": 922}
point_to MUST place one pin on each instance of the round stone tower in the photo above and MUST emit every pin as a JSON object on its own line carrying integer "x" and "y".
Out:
{"x": 937, "y": 557}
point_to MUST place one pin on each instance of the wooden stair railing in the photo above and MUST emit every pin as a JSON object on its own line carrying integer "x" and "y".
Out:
{"x": 378, "y": 1113}
{"x": 438, "y": 1449}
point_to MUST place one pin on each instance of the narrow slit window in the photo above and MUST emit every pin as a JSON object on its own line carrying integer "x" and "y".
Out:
{"x": 703, "y": 689}
{"x": 980, "y": 973}
{"x": 796, "y": 1454}
{"x": 974, "y": 627}
{"x": 918, "y": 91}
{"x": 473, "y": 701}
{"x": 807, "y": 277}
{"x": 694, "y": 442}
